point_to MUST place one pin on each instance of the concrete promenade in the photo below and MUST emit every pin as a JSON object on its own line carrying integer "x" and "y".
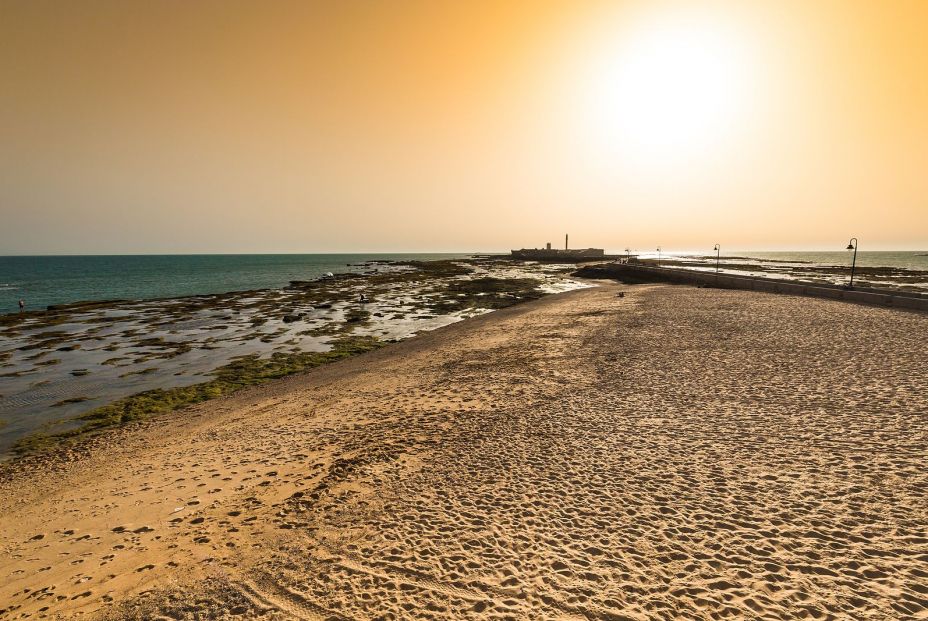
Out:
{"x": 632, "y": 273}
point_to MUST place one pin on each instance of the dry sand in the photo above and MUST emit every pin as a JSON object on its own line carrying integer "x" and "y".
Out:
{"x": 678, "y": 453}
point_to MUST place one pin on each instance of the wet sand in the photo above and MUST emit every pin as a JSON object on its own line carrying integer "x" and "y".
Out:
{"x": 677, "y": 453}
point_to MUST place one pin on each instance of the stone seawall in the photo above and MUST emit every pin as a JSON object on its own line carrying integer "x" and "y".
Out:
{"x": 642, "y": 273}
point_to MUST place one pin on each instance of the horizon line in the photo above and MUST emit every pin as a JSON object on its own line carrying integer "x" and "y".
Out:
{"x": 471, "y": 252}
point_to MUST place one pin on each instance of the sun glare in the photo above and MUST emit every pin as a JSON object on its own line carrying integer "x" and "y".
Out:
{"x": 670, "y": 88}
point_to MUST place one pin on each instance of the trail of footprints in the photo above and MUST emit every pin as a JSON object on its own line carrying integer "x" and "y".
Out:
{"x": 712, "y": 464}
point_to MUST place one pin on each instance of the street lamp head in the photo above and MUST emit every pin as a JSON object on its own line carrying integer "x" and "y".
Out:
{"x": 852, "y": 245}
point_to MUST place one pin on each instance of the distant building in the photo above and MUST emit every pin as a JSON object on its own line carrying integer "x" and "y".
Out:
{"x": 548, "y": 253}
{"x": 541, "y": 254}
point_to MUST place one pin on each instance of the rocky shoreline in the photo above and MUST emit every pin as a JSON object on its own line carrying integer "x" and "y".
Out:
{"x": 78, "y": 368}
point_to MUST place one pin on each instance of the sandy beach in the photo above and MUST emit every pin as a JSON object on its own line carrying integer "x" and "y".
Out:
{"x": 675, "y": 453}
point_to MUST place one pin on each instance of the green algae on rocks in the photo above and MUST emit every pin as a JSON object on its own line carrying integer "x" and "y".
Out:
{"x": 131, "y": 348}
{"x": 240, "y": 373}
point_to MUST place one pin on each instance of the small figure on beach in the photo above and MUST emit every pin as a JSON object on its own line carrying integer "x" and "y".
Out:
{"x": 22, "y": 305}
{"x": 362, "y": 299}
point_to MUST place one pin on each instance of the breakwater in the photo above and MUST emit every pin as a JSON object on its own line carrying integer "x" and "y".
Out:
{"x": 631, "y": 273}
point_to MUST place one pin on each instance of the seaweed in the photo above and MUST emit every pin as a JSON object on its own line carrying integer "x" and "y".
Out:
{"x": 70, "y": 401}
{"x": 83, "y": 306}
{"x": 48, "y": 343}
{"x": 238, "y": 374}
{"x": 357, "y": 315}
{"x": 413, "y": 290}
{"x": 144, "y": 371}
{"x": 487, "y": 293}
{"x": 270, "y": 337}
{"x": 434, "y": 269}
{"x": 329, "y": 328}
{"x": 171, "y": 348}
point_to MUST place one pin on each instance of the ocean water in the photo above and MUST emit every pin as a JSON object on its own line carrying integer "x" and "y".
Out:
{"x": 908, "y": 259}
{"x": 899, "y": 269}
{"x": 44, "y": 280}
{"x": 89, "y": 357}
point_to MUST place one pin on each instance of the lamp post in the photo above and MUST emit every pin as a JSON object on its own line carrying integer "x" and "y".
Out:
{"x": 718, "y": 252}
{"x": 628, "y": 255}
{"x": 658, "y": 256}
{"x": 852, "y": 245}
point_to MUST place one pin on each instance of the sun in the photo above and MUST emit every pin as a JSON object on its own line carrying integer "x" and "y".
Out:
{"x": 671, "y": 88}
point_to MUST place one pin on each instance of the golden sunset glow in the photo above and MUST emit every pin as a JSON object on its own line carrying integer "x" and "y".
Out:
{"x": 674, "y": 86}
{"x": 463, "y": 309}
{"x": 302, "y": 127}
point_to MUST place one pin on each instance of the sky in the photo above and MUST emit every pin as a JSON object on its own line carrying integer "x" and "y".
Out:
{"x": 170, "y": 126}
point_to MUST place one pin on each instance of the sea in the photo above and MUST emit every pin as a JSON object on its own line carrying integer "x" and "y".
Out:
{"x": 47, "y": 280}
{"x": 908, "y": 260}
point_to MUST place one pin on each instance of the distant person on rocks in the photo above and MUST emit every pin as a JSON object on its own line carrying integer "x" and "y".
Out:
{"x": 22, "y": 305}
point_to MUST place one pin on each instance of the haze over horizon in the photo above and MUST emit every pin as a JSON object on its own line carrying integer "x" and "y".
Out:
{"x": 303, "y": 127}
{"x": 642, "y": 251}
